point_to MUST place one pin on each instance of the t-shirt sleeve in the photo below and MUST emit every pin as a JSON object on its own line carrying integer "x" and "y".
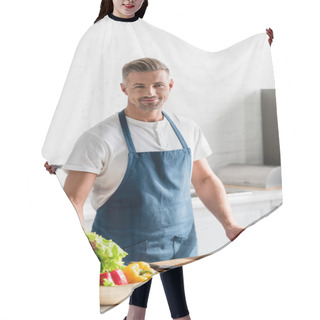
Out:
{"x": 89, "y": 154}
{"x": 201, "y": 145}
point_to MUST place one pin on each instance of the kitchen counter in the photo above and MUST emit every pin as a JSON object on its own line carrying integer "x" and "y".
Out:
{"x": 248, "y": 206}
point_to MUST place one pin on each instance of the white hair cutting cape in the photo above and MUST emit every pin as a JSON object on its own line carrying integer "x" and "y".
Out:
{"x": 222, "y": 91}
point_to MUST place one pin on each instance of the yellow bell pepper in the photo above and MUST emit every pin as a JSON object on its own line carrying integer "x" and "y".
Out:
{"x": 138, "y": 272}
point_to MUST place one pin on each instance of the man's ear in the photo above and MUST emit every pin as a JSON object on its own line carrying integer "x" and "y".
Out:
{"x": 123, "y": 88}
{"x": 171, "y": 83}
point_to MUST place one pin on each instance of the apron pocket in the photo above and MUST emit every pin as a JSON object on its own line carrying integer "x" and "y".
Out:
{"x": 136, "y": 252}
{"x": 185, "y": 247}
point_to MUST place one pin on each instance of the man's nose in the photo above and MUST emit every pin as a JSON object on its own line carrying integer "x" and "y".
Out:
{"x": 150, "y": 91}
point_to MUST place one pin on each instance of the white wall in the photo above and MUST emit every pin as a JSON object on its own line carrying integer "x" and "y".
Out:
{"x": 48, "y": 270}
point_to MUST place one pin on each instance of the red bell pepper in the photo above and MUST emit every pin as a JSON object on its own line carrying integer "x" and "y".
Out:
{"x": 118, "y": 277}
{"x": 106, "y": 276}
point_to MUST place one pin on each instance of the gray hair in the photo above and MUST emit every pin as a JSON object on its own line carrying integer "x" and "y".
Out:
{"x": 143, "y": 65}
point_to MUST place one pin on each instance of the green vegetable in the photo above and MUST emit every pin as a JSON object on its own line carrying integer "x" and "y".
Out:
{"x": 108, "y": 283}
{"x": 107, "y": 251}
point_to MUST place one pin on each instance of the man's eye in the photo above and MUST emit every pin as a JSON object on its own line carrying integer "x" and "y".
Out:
{"x": 158, "y": 85}
{"x": 139, "y": 87}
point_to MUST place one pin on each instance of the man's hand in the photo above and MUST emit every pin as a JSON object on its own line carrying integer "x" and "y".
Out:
{"x": 93, "y": 245}
{"x": 50, "y": 168}
{"x": 234, "y": 232}
{"x": 270, "y": 34}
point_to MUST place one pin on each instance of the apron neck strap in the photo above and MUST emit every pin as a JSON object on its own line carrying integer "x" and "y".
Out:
{"x": 126, "y": 132}
{"x": 128, "y": 138}
{"x": 177, "y": 132}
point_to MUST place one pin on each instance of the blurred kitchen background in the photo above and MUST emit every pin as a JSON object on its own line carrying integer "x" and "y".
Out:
{"x": 247, "y": 160}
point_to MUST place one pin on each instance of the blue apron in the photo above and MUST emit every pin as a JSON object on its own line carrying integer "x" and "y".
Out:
{"x": 150, "y": 215}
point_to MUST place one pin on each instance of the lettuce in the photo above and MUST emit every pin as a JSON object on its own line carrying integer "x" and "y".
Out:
{"x": 108, "y": 252}
{"x": 108, "y": 283}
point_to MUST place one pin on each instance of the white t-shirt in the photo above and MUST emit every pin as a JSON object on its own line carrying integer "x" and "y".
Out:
{"x": 103, "y": 150}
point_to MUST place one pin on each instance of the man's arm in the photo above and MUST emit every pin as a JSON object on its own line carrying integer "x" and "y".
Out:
{"x": 77, "y": 187}
{"x": 211, "y": 192}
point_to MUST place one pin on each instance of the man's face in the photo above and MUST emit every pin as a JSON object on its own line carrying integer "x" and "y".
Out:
{"x": 147, "y": 91}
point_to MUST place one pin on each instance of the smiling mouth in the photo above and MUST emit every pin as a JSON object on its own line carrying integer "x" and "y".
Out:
{"x": 149, "y": 100}
{"x": 129, "y": 6}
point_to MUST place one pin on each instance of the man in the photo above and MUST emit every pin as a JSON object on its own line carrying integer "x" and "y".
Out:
{"x": 140, "y": 163}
